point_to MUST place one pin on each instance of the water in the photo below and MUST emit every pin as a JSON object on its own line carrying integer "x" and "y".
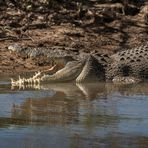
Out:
{"x": 74, "y": 116}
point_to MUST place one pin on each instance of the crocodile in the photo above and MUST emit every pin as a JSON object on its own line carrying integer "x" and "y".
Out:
{"x": 127, "y": 66}
{"x": 129, "y": 63}
{"x": 85, "y": 70}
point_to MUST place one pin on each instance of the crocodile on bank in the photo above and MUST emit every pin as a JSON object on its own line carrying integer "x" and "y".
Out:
{"x": 129, "y": 63}
{"x": 126, "y": 66}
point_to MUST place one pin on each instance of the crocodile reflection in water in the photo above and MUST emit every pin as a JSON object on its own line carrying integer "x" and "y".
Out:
{"x": 90, "y": 90}
{"x": 128, "y": 90}
{"x": 87, "y": 90}
{"x": 63, "y": 107}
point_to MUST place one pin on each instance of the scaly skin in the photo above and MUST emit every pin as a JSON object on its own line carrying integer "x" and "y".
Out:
{"x": 92, "y": 71}
{"x": 86, "y": 70}
{"x": 68, "y": 73}
{"x": 129, "y": 63}
{"x": 127, "y": 66}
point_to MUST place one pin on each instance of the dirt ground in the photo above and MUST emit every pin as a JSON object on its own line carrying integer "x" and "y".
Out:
{"x": 87, "y": 29}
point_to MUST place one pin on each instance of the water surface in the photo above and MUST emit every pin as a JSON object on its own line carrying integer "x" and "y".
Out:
{"x": 73, "y": 115}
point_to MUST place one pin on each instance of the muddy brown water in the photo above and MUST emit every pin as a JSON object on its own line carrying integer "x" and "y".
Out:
{"x": 73, "y": 115}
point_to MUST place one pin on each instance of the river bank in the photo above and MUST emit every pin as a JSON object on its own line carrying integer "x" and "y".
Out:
{"x": 84, "y": 27}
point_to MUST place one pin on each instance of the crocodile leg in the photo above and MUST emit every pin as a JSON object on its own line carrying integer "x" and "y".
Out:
{"x": 92, "y": 71}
